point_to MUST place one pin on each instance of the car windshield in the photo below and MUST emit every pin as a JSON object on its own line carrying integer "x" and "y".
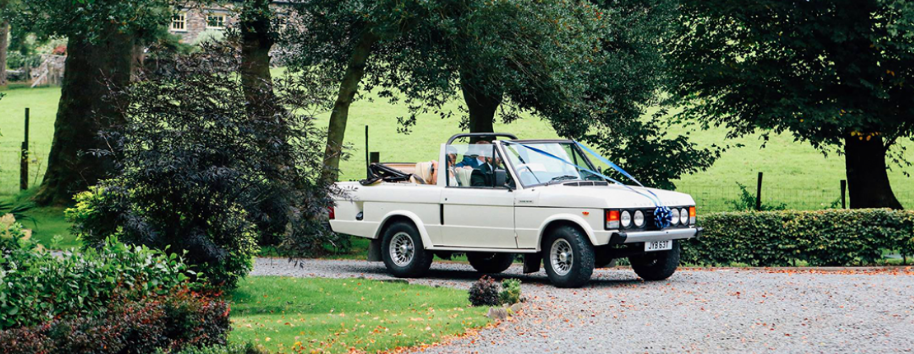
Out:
{"x": 533, "y": 167}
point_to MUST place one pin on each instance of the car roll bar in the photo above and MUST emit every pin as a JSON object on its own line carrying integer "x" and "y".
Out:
{"x": 470, "y": 135}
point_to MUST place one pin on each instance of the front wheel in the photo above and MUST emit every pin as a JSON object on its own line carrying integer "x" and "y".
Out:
{"x": 568, "y": 258}
{"x": 656, "y": 265}
{"x": 403, "y": 252}
{"x": 490, "y": 263}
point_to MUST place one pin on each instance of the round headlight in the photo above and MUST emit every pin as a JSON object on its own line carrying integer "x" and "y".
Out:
{"x": 626, "y": 219}
{"x": 639, "y": 218}
{"x": 684, "y": 216}
{"x": 675, "y": 219}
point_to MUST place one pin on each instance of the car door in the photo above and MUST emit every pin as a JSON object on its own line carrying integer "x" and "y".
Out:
{"x": 478, "y": 216}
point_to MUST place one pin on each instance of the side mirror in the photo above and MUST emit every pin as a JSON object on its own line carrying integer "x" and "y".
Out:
{"x": 510, "y": 189}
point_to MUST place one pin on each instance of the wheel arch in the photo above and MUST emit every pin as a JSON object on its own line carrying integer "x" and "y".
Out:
{"x": 564, "y": 220}
{"x": 404, "y": 216}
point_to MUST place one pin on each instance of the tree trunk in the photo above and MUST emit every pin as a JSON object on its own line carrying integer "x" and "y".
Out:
{"x": 82, "y": 113}
{"x": 4, "y": 42}
{"x": 481, "y": 104}
{"x": 139, "y": 59}
{"x": 867, "y": 180}
{"x": 348, "y": 87}
{"x": 256, "y": 42}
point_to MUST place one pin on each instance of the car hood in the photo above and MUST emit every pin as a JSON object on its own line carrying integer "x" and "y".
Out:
{"x": 611, "y": 196}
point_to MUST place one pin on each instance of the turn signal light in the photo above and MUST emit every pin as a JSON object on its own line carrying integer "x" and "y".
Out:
{"x": 612, "y": 219}
{"x": 692, "y": 215}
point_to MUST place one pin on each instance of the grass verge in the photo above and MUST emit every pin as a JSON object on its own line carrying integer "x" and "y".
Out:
{"x": 288, "y": 315}
{"x": 47, "y": 223}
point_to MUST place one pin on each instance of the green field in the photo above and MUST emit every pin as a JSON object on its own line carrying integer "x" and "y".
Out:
{"x": 287, "y": 315}
{"x": 794, "y": 172}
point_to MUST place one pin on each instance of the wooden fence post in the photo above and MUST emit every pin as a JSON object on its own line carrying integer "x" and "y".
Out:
{"x": 24, "y": 159}
{"x": 367, "y": 161}
{"x": 758, "y": 194}
{"x": 843, "y": 194}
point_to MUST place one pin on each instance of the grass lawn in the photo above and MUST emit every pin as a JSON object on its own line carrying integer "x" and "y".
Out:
{"x": 285, "y": 314}
{"x": 794, "y": 172}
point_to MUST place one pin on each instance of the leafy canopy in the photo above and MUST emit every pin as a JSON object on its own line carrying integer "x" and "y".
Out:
{"x": 820, "y": 70}
{"x": 590, "y": 68}
{"x": 93, "y": 19}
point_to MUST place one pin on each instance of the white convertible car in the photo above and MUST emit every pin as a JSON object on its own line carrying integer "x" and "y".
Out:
{"x": 496, "y": 199}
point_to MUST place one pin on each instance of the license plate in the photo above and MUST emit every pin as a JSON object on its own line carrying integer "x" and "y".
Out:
{"x": 658, "y": 246}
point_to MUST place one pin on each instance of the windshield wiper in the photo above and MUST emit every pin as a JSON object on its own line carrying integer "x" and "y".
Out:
{"x": 562, "y": 178}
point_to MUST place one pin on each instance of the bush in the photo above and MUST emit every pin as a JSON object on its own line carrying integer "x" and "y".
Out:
{"x": 746, "y": 201}
{"x": 510, "y": 293}
{"x": 484, "y": 292}
{"x": 37, "y": 286}
{"x": 204, "y": 170}
{"x": 174, "y": 322}
{"x": 820, "y": 238}
{"x": 247, "y": 348}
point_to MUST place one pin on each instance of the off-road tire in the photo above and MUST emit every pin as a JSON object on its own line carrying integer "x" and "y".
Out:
{"x": 582, "y": 257}
{"x": 656, "y": 265}
{"x": 490, "y": 263}
{"x": 418, "y": 264}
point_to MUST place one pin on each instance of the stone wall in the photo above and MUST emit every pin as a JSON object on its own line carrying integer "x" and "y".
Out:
{"x": 195, "y": 22}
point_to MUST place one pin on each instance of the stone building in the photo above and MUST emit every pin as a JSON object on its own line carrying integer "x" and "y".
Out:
{"x": 193, "y": 20}
{"x": 189, "y": 22}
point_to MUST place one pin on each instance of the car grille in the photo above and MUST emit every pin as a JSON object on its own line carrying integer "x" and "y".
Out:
{"x": 649, "y": 224}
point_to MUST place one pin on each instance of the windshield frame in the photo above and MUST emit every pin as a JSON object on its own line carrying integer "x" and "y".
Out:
{"x": 508, "y": 161}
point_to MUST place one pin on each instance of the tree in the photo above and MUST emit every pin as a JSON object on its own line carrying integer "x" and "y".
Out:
{"x": 335, "y": 39}
{"x": 194, "y": 172}
{"x": 836, "y": 74}
{"x": 257, "y": 38}
{"x": 4, "y": 40}
{"x": 102, "y": 36}
{"x": 587, "y": 68}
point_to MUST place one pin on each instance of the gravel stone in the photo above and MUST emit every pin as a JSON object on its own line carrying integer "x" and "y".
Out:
{"x": 497, "y": 313}
{"x": 723, "y": 310}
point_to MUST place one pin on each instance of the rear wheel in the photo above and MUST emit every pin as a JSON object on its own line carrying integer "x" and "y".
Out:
{"x": 403, "y": 251}
{"x": 656, "y": 265}
{"x": 568, "y": 258}
{"x": 490, "y": 263}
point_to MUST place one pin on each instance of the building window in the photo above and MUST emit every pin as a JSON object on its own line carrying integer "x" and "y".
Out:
{"x": 179, "y": 22}
{"x": 215, "y": 21}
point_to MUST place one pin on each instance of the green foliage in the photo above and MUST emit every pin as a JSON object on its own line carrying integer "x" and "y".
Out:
{"x": 37, "y": 286}
{"x": 17, "y": 60}
{"x": 18, "y": 211}
{"x": 484, "y": 292}
{"x": 510, "y": 293}
{"x": 93, "y": 20}
{"x": 746, "y": 201}
{"x": 201, "y": 172}
{"x": 209, "y": 36}
{"x": 247, "y": 348}
{"x": 173, "y": 322}
{"x": 820, "y": 238}
{"x": 588, "y": 68}
{"x": 821, "y": 70}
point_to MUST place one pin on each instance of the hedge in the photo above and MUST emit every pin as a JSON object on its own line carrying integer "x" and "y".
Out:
{"x": 174, "y": 322}
{"x": 819, "y": 238}
{"x": 37, "y": 286}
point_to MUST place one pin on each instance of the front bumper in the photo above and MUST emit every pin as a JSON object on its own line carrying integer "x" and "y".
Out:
{"x": 621, "y": 237}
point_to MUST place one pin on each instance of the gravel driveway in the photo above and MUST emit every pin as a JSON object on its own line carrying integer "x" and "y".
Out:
{"x": 695, "y": 311}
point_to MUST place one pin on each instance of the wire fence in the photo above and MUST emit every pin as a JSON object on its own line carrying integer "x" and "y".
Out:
{"x": 10, "y": 165}
{"x": 719, "y": 198}
{"x": 709, "y": 198}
